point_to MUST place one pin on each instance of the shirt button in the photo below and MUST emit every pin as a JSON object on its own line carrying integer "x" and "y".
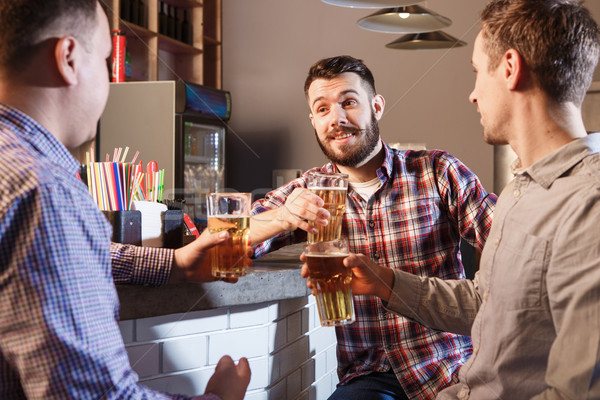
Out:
{"x": 463, "y": 394}
{"x": 497, "y": 241}
{"x": 372, "y": 224}
{"x": 486, "y": 295}
{"x": 376, "y": 255}
{"x": 517, "y": 193}
{"x": 475, "y": 350}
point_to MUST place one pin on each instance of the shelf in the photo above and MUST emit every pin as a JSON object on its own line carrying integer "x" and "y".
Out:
{"x": 211, "y": 41}
{"x": 155, "y": 56}
{"x": 137, "y": 30}
{"x": 183, "y": 3}
{"x": 175, "y": 46}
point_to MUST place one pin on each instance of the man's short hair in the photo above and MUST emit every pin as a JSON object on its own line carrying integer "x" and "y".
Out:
{"x": 330, "y": 68}
{"x": 558, "y": 40}
{"x": 24, "y": 24}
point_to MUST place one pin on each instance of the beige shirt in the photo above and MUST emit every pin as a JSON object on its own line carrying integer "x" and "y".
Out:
{"x": 533, "y": 309}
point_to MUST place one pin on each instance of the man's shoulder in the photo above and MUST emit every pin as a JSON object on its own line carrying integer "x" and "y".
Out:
{"x": 21, "y": 170}
{"x": 425, "y": 158}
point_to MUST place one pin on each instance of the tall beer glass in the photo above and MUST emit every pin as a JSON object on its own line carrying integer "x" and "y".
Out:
{"x": 332, "y": 188}
{"x": 231, "y": 212}
{"x": 331, "y": 281}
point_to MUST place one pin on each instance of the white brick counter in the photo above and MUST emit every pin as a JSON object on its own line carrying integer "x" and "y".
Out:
{"x": 291, "y": 356}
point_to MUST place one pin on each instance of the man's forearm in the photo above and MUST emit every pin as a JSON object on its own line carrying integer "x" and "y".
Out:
{"x": 265, "y": 225}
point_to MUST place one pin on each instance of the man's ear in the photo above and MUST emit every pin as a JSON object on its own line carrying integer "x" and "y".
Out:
{"x": 67, "y": 57}
{"x": 312, "y": 120}
{"x": 378, "y": 103}
{"x": 514, "y": 69}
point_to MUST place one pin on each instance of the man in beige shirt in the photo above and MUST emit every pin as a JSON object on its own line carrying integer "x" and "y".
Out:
{"x": 533, "y": 309}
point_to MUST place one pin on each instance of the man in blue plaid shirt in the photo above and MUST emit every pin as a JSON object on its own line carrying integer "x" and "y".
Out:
{"x": 405, "y": 210}
{"x": 59, "y": 337}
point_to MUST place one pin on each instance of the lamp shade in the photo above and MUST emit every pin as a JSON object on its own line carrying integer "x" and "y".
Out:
{"x": 409, "y": 19}
{"x": 371, "y": 3}
{"x": 425, "y": 41}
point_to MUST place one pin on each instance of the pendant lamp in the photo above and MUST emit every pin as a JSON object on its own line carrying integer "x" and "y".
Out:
{"x": 425, "y": 41}
{"x": 409, "y": 19}
{"x": 371, "y": 3}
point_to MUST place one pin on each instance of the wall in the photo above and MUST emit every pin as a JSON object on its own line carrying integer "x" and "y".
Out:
{"x": 291, "y": 356}
{"x": 269, "y": 46}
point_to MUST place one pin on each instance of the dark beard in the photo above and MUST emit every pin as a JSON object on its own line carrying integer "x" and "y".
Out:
{"x": 371, "y": 138}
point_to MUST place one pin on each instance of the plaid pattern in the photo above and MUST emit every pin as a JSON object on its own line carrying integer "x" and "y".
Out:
{"x": 59, "y": 337}
{"x": 428, "y": 201}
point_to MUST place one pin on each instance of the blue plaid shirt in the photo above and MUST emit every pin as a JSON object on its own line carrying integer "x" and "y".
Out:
{"x": 59, "y": 337}
{"x": 427, "y": 201}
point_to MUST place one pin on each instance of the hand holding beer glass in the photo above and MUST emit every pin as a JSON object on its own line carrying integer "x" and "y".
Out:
{"x": 331, "y": 281}
{"x": 332, "y": 188}
{"x": 231, "y": 212}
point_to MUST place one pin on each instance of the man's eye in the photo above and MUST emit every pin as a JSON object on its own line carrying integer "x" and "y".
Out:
{"x": 349, "y": 103}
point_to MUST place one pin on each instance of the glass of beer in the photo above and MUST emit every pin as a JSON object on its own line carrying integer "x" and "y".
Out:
{"x": 332, "y": 188}
{"x": 230, "y": 212}
{"x": 331, "y": 281}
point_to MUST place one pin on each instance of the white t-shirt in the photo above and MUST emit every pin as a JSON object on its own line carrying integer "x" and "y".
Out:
{"x": 366, "y": 189}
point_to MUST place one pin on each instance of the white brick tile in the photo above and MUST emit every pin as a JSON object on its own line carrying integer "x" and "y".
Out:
{"x": 334, "y": 380}
{"x": 248, "y": 315}
{"x": 173, "y": 325}
{"x": 308, "y": 374}
{"x": 278, "y": 392}
{"x": 289, "y": 306}
{"x": 303, "y": 396}
{"x": 277, "y": 334}
{"x": 306, "y": 320}
{"x": 322, "y": 388}
{"x": 191, "y": 383}
{"x": 274, "y": 367}
{"x": 126, "y": 328}
{"x": 184, "y": 353}
{"x": 314, "y": 321}
{"x": 144, "y": 358}
{"x": 260, "y": 373}
{"x": 320, "y": 366}
{"x": 294, "y": 326}
{"x": 243, "y": 343}
{"x": 294, "y": 384}
{"x": 257, "y": 395}
{"x": 331, "y": 359}
{"x": 273, "y": 311}
{"x": 293, "y": 356}
{"x": 320, "y": 339}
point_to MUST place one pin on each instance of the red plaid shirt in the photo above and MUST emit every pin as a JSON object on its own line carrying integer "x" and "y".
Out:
{"x": 428, "y": 201}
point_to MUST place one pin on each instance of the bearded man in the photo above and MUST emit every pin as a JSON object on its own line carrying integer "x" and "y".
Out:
{"x": 405, "y": 210}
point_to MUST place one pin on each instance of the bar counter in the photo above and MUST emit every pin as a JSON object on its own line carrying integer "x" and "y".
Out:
{"x": 175, "y": 334}
{"x": 275, "y": 276}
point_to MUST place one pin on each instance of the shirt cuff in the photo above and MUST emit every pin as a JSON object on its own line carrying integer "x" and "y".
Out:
{"x": 141, "y": 265}
{"x": 407, "y": 292}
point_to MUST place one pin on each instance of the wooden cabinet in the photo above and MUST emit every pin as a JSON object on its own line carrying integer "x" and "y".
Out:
{"x": 161, "y": 54}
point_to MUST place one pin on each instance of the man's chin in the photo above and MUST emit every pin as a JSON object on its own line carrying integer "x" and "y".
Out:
{"x": 493, "y": 140}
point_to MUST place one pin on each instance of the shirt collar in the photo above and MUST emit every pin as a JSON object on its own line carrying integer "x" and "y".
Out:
{"x": 46, "y": 144}
{"x": 388, "y": 162}
{"x": 546, "y": 170}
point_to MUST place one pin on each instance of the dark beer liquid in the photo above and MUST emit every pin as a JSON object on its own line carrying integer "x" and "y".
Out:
{"x": 332, "y": 281}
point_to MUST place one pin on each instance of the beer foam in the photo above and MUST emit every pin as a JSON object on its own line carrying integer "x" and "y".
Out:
{"x": 337, "y": 254}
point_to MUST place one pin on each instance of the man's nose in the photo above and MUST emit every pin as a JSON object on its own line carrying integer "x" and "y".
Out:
{"x": 338, "y": 116}
{"x": 473, "y": 97}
